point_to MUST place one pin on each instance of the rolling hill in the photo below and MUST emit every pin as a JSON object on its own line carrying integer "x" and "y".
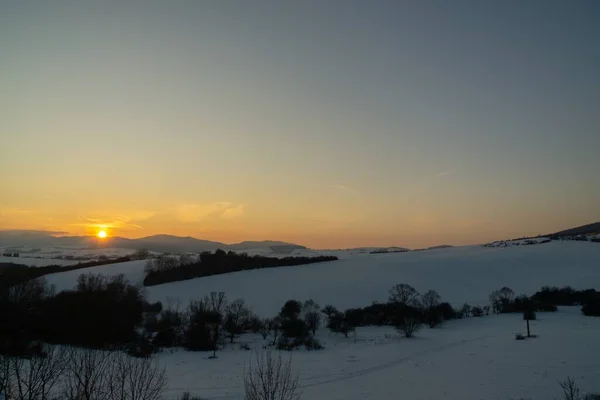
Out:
{"x": 459, "y": 274}
{"x": 157, "y": 243}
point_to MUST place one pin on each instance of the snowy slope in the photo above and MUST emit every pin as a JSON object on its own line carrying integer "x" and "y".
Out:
{"x": 471, "y": 359}
{"x": 459, "y": 274}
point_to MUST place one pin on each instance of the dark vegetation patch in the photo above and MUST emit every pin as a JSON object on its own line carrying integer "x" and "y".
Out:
{"x": 159, "y": 271}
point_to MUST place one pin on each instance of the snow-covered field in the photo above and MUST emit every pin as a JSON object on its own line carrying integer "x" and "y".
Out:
{"x": 475, "y": 358}
{"x": 471, "y": 359}
{"x": 459, "y": 274}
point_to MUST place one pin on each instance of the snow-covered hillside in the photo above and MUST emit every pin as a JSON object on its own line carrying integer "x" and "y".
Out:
{"x": 470, "y": 359}
{"x": 459, "y": 274}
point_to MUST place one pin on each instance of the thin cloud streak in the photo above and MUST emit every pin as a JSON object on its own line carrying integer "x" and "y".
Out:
{"x": 449, "y": 172}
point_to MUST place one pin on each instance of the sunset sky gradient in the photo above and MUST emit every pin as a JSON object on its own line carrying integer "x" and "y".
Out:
{"x": 325, "y": 123}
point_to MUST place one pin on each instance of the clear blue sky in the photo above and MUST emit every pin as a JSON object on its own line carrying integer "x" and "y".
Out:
{"x": 328, "y": 123}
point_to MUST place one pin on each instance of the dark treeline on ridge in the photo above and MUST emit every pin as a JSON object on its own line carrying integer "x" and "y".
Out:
{"x": 13, "y": 273}
{"x": 168, "y": 269}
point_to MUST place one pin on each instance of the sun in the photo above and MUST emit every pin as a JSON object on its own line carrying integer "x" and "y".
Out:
{"x": 101, "y": 234}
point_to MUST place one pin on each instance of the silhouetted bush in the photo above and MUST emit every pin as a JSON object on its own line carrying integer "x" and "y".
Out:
{"x": 446, "y": 311}
{"x": 290, "y": 324}
{"x": 141, "y": 348}
{"x": 101, "y": 312}
{"x": 338, "y": 323}
{"x": 592, "y": 308}
{"x": 407, "y": 319}
{"x": 477, "y": 311}
{"x": 502, "y": 299}
{"x": 565, "y": 296}
{"x": 205, "y": 320}
{"x": 311, "y": 343}
{"x": 188, "y": 396}
{"x": 217, "y": 263}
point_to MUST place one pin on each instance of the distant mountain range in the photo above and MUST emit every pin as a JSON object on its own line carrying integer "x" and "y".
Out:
{"x": 178, "y": 244}
{"x": 158, "y": 243}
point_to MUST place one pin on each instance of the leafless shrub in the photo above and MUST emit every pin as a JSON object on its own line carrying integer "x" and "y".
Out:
{"x": 5, "y": 375}
{"x": 131, "y": 378}
{"x": 86, "y": 375}
{"x": 35, "y": 378}
{"x": 270, "y": 378}
{"x": 409, "y": 326}
{"x": 570, "y": 389}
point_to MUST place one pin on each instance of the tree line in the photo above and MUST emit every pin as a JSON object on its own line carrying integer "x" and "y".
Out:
{"x": 13, "y": 274}
{"x": 164, "y": 269}
{"x": 109, "y": 313}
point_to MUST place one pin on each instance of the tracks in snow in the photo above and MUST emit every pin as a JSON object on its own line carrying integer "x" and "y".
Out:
{"x": 394, "y": 363}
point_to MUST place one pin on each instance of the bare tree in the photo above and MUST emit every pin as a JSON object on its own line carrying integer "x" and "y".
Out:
{"x": 312, "y": 317}
{"x": 506, "y": 294}
{"x": 265, "y": 328}
{"x": 270, "y": 378}
{"x": 430, "y": 301}
{"x": 216, "y": 302}
{"x": 34, "y": 379}
{"x": 135, "y": 378}
{"x": 5, "y": 376}
{"x": 30, "y": 292}
{"x": 86, "y": 375}
{"x": 236, "y": 315}
{"x": 501, "y": 299}
{"x": 404, "y": 294}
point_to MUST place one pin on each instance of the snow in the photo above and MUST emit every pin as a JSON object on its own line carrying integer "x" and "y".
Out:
{"x": 459, "y": 274}
{"x": 475, "y": 358}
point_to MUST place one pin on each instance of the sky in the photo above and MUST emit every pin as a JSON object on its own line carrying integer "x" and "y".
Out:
{"x": 325, "y": 123}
